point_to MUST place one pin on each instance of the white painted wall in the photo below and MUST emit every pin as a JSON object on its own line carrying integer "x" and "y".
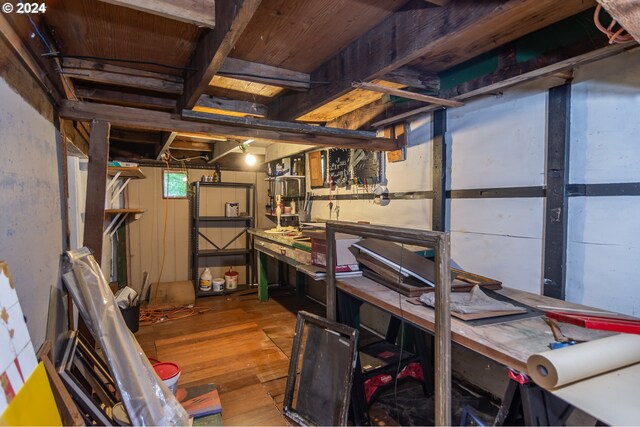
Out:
{"x": 499, "y": 141}
{"x": 30, "y": 207}
{"x": 603, "y": 248}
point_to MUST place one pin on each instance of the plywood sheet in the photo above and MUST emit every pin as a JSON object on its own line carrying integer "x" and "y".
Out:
{"x": 94, "y": 28}
{"x": 302, "y": 34}
{"x": 347, "y": 103}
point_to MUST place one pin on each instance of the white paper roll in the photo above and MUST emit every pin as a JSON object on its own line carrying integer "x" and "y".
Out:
{"x": 556, "y": 368}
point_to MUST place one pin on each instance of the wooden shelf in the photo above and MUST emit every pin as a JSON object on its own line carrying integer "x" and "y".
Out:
{"x": 121, "y": 211}
{"x": 282, "y": 216}
{"x": 201, "y": 293}
{"x": 125, "y": 172}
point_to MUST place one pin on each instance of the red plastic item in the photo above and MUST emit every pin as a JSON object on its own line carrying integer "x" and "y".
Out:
{"x": 413, "y": 370}
{"x": 603, "y": 323}
{"x": 519, "y": 377}
{"x": 166, "y": 370}
{"x": 373, "y": 383}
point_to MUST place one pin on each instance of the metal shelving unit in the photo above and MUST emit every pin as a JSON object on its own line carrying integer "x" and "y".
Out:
{"x": 202, "y": 221}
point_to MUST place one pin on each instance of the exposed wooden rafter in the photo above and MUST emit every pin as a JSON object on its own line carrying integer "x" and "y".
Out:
{"x": 232, "y": 16}
{"x": 413, "y": 77}
{"x": 446, "y": 35}
{"x": 232, "y": 105}
{"x": 92, "y": 71}
{"x": 134, "y": 136}
{"x": 191, "y": 146}
{"x": 407, "y": 94}
{"x": 196, "y": 12}
{"x": 225, "y": 126}
{"x": 124, "y": 98}
{"x": 261, "y": 73}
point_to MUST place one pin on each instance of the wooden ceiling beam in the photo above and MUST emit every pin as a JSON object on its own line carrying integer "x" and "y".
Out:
{"x": 91, "y": 71}
{"x": 260, "y": 73}
{"x": 134, "y": 136}
{"x": 191, "y": 146}
{"x": 413, "y": 77}
{"x": 125, "y": 98}
{"x": 406, "y": 94}
{"x": 225, "y": 126}
{"x": 627, "y": 13}
{"x": 196, "y": 12}
{"x": 245, "y": 107}
{"x": 232, "y": 17}
{"x": 415, "y": 32}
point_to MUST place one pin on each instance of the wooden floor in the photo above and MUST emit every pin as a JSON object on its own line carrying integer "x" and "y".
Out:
{"x": 241, "y": 345}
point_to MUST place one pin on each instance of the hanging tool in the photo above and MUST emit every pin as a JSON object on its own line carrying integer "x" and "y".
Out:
{"x": 330, "y": 196}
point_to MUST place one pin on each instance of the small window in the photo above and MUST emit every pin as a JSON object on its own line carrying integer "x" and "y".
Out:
{"x": 174, "y": 184}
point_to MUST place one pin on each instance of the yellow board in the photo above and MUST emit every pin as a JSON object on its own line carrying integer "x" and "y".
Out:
{"x": 34, "y": 404}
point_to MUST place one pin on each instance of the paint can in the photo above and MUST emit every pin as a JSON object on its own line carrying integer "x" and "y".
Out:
{"x": 169, "y": 373}
{"x": 231, "y": 209}
{"x": 231, "y": 278}
{"x": 218, "y": 284}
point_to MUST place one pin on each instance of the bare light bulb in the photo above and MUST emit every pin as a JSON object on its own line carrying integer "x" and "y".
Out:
{"x": 250, "y": 159}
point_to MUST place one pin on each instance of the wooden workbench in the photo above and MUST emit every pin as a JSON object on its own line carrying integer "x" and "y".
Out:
{"x": 284, "y": 248}
{"x": 509, "y": 343}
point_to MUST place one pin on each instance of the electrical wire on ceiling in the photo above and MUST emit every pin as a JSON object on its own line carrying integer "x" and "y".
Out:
{"x": 275, "y": 79}
{"x": 48, "y": 47}
{"x": 618, "y": 36}
{"x": 129, "y": 61}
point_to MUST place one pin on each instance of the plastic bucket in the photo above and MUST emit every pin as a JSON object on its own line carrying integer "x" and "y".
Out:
{"x": 218, "y": 284}
{"x": 231, "y": 279}
{"x": 169, "y": 373}
{"x": 131, "y": 316}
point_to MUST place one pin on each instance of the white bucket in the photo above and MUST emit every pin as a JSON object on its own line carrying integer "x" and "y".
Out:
{"x": 169, "y": 373}
{"x": 231, "y": 279}
{"x": 218, "y": 284}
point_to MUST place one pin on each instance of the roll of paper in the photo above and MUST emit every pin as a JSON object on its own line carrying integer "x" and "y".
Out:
{"x": 567, "y": 365}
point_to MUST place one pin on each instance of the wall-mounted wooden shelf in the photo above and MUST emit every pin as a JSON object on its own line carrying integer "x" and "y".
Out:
{"x": 125, "y": 172}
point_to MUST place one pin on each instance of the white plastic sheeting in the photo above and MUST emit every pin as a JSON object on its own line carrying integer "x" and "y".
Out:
{"x": 147, "y": 399}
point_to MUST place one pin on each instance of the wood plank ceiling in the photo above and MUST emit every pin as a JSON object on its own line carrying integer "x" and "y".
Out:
{"x": 278, "y": 60}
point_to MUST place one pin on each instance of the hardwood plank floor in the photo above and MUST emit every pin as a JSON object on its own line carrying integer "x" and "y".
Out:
{"x": 241, "y": 345}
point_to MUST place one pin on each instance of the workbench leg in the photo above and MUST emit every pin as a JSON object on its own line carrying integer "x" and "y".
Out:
{"x": 263, "y": 283}
{"x": 424, "y": 345}
{"x": 300, "y": 282}
{"x": 348, "y": 313}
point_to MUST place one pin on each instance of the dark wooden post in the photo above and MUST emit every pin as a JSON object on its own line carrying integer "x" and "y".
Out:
{"x": 557, "y": 177}
{"x": 438, "y": 212}
{"x": 96, "y": 187}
